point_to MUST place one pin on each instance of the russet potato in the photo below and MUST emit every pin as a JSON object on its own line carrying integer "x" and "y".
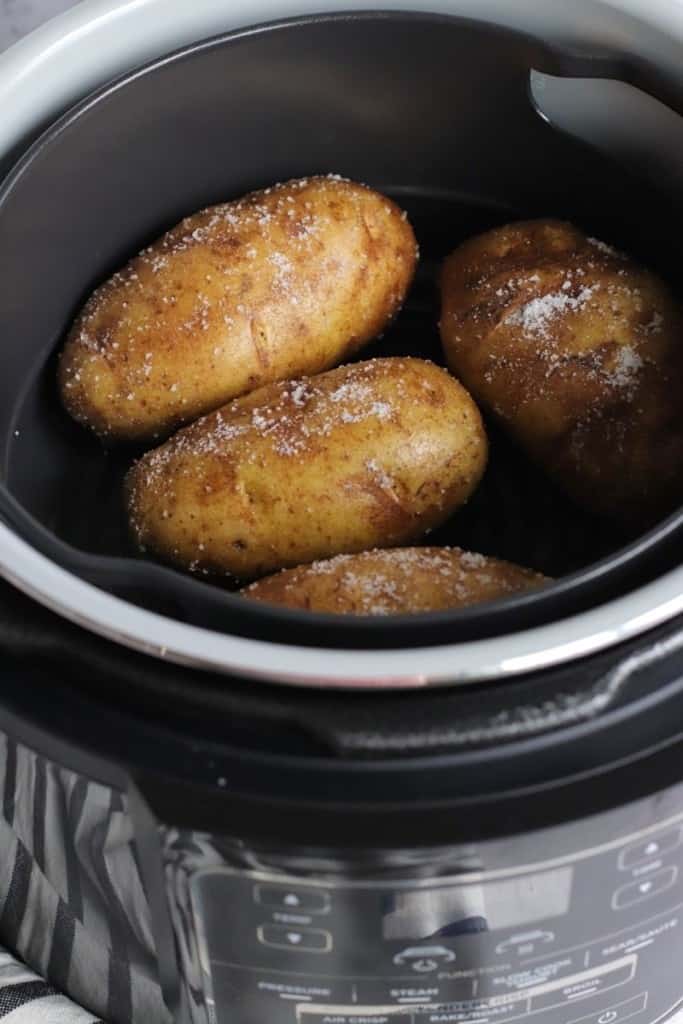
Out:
{"x": 288, "y": 281}
{"x": 393, "y": 582}
{"x": 367, "y": 455}
{"x": 578, "y": 351}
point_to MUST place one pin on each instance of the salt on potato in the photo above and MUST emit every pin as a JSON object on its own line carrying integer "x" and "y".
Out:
{"x": 287, "y": 281}
{"x": 397, "y": 581}
{"x": 367, "y": 455}
{"x": 578, "y": 352}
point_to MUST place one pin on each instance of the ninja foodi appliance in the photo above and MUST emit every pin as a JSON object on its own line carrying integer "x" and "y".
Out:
{"x": 246, "y": 814}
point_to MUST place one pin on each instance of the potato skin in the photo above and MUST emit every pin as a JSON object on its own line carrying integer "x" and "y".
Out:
{"x": 287, "y": 281}
{"x": 394, "y": 582}
{"x": 579, "y": 352}
{"x": 365, "y": 455}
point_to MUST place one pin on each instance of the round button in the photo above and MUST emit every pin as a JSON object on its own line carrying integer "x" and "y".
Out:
{"x": 424, "y": 965}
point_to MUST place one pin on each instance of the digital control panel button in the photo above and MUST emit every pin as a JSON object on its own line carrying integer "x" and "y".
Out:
{"x": 474, "y": 1011}
{"x": 301, "y": 901}
{"x": 305, "y": 940}
{"x": 525, "y": 943}
{"x": 262, "y": 996}
{"x": 656, "y": 846}
{"x": 417, "y": 995}
{"x": 424, "y": 959}
{"x": 581, "y": 986}
{"x": 344, "y": 1016}
{"x": 422, "y": 991}
{"x": 242, "y": 986}
{"x": 645, "y": 888}
{"x": 615, "y": 1014}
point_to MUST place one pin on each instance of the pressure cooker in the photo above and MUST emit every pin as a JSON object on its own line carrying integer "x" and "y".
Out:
{"x": 227, "y": 813}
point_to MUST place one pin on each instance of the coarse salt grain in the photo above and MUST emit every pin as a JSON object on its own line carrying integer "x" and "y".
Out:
{"x": 534, "y": 317}
{"x": 299, "y": 394}
{"x": 655, "y": 324}
{"x": 471, "y": 560}
{"x": 379, "y": 474}
{"x": 608, "y": 250}
{"x": 626, "y": 367}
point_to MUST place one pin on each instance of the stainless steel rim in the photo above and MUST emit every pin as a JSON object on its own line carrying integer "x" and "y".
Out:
{"x": 456, "y": 664}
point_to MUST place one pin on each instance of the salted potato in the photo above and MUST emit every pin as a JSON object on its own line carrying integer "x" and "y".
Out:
{"x": 394, "y": 582}
{"x": 288, "y": 281}
{"x": 579, "y": 352}
{"x": 365, "y": 455}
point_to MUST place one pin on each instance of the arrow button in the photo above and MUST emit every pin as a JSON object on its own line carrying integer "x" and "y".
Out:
{"x": 647, "y": 888}
{"x": 650, "y": 849}
{"x": 424, "y": 965}
{"x": 303, "y": 901}
{"x": 306, "y": 940}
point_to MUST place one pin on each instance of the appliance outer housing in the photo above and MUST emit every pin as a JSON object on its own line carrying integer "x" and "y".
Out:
{"x": 232, "y": 798}
{"x": 39, "y": 77}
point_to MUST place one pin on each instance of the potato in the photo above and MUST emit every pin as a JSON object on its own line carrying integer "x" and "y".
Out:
{"x": 365, "y": 455}
{"x": 579, "y": 352}
{"x": 284, "y": 282}
{"x": 395, "y": 582}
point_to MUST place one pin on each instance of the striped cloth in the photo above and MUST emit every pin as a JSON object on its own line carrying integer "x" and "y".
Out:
{"x": 72, "y": 905}
{"x": 27, "y": 999}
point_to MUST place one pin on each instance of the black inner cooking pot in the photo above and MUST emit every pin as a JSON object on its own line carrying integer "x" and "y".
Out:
{"x": 434, "y": 111}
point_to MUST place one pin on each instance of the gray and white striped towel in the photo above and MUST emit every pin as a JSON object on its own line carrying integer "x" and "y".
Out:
{"x": 72, "y": 905}
{"x": 27, "y": 999}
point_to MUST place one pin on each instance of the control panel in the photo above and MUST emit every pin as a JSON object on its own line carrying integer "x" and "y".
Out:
{"x": 590, "y": 938}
